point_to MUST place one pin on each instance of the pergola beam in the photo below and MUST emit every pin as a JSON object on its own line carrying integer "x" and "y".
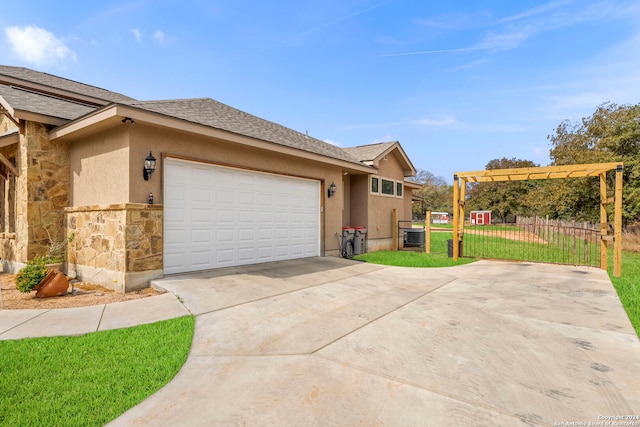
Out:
{"x": 547, "y": 172}
{"x": 460, "y": 180}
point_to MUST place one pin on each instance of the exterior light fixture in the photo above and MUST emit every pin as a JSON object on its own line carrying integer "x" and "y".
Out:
{"x": 332, "y": 189}
{"x": 128, "y": 120}
{"x": 149, "y": 166}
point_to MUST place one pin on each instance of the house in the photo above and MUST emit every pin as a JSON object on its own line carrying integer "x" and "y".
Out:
{"x": 228, "y": 188}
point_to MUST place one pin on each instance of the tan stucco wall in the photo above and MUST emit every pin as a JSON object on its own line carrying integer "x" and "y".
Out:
{"x": 107, "y": 168}
{"x": 100, "y": 168}
{"x": 346, "y": 200}
{"x": 380, "y": 220}
{"x": 359, "y": 201}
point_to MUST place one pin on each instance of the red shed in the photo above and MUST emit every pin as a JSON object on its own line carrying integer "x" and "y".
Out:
{"x": 480, "y": 217}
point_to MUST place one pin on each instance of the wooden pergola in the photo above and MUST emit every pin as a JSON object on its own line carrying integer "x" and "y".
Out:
{"x": 460, "y": 180}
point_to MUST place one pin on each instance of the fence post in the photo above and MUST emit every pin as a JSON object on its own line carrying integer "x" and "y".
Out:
{"x": 394, "y": 220}
{"x": 427, "y": 232}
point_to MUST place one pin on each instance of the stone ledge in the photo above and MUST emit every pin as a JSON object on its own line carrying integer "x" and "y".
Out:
{"x": 115, "y": 207}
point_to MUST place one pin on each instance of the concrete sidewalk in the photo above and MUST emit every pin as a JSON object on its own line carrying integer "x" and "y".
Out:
{"x": 17, "y": 324}
{"x": 333, "y": 342}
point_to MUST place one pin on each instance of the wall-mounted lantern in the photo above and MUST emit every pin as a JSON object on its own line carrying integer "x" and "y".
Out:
{"x": 332, "y": 189}
{"x": 149, "y": 166}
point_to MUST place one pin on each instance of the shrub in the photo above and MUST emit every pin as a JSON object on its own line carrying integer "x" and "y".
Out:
{"x": 32, "y": 274}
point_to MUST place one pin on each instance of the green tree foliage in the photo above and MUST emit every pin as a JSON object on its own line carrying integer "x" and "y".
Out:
{"x": 435, "y": 194}
{"x": 504, "y": 199}
{"x": 611, "y": 134}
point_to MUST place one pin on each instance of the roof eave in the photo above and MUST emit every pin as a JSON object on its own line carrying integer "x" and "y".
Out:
{"x": 9, "y": 138}
{"x": 112, "y": 115}
{"x": 18, "y": 114}
{"x": 39, "y": 87}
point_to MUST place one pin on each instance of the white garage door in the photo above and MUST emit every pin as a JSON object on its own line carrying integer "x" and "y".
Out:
{"x": 218, "y": 217}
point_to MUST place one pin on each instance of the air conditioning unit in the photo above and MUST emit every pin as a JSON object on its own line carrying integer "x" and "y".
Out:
{"x": 414, "y": 237}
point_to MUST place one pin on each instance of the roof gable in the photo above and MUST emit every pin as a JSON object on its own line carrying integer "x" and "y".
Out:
{"x": 371, "y": 154}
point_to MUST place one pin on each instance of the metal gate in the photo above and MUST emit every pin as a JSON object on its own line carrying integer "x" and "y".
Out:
{"x": 535, "y": 240}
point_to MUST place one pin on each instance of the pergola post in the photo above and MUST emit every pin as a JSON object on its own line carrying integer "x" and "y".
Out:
{"x": 617, "y": 225}
{"x": 604, "y": 225}
{"x": 462, "y": 198}
{"x": 456, "y": 215}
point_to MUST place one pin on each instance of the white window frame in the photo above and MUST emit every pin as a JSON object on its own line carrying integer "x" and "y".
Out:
{"x": 401, "y": 187}
{"x": 393, "y": 189}
{"x": 371, "y": 184}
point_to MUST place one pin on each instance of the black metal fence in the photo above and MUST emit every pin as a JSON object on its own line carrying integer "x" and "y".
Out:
{"x": 537, "y": 240}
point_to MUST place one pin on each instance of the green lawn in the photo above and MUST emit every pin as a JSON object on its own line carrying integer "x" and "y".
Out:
{"x": 91, "y": 379}
{"x": 628, "y": 286}
{"x": 438, "y": 257}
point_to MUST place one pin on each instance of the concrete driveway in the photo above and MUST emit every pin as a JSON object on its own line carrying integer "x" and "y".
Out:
{"x": 327, "y": 341}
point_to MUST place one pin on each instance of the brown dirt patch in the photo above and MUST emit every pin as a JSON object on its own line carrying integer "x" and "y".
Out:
{"x": 87, "y": 294}
{"x": 521, "y": 236}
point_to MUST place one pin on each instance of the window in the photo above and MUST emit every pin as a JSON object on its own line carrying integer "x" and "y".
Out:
{"x": 388, "y": 187}
{"x": 398, "y": 189}
{"x": 375, "y": 184}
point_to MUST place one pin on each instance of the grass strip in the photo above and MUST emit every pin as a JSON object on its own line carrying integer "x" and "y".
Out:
{"x": 91, "y": 379}
{"x": 438, "y": 257}
{"x": 628, "y": 285}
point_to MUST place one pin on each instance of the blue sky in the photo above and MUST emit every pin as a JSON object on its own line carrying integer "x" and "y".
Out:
{"x": 458, "y": 83}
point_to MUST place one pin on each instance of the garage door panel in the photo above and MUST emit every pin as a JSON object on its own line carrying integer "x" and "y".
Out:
{"x": 225, "y": 216}
{"x": 225, "y": 235}
{"x": 217, "y": 216}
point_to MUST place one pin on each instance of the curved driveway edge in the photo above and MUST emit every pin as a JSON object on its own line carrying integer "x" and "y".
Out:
{"x": 33, "y": 323}
{"x": 326, "y": 341}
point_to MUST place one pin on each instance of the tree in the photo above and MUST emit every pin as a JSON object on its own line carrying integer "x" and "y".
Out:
{"x": 504, "y": 199}
{"x": 611, "y": 134}
{"x": 435, "y": 194}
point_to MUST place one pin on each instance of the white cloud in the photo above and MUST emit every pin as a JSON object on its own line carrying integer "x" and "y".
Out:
{"x": 159, "y": 36}
{"x": 37, "y": 45}
{"x": 137, "y": 34}
{"x": 387, "y": 138}
{"x": 440, "y": 122}
{"x": 537, "y": 10}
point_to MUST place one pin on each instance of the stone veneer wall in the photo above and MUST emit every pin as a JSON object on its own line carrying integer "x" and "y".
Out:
{"x": 116, "y": 246}
{"x": 42, "y": 191}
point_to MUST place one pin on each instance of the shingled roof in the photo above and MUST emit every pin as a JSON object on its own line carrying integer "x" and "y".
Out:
{"x": 368, "y": 153}
{"x": 207, "y": 112}
{"x": 20, "y": 99}
{"x": 15, "y": 75}
{"x": 47, "y": 95}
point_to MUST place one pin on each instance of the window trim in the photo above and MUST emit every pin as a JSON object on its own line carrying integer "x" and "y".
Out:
{"x": 400, "y": 186}
{"x": 393, "y": 187}
{"x": 376, "y": 177}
